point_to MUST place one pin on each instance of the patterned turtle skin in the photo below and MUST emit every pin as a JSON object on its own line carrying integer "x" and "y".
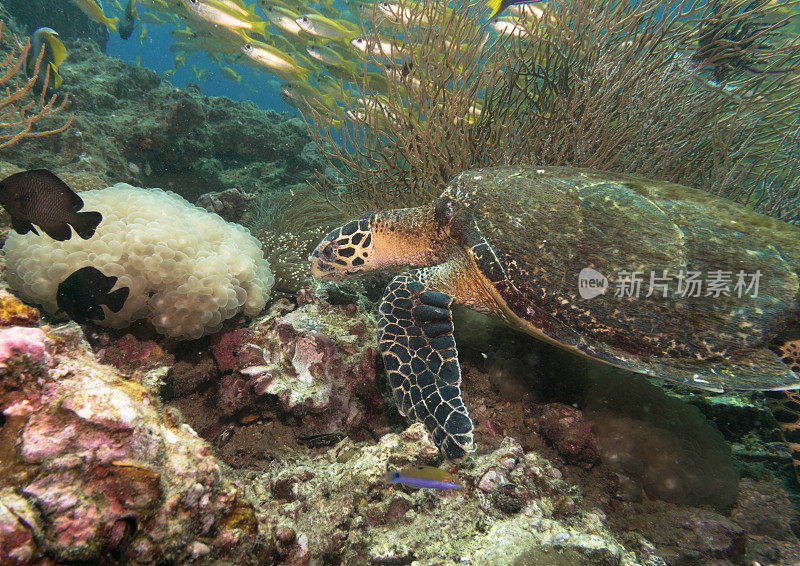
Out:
{"x": 514, "y": 242}
{"x": 785, "y": 405}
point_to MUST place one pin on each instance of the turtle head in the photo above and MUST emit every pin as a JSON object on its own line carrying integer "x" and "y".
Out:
{"x": 346, "y": 250}
{"x": 388, "y": 238}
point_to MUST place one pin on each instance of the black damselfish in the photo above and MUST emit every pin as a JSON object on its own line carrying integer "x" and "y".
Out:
{"x": 81, "y": 295}
{"x": 39, "y": 197}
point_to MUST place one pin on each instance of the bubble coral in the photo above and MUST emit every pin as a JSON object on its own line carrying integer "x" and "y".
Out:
{"x": 187, "y": 269}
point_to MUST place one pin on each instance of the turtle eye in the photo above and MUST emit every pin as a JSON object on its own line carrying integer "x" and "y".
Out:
{"x": 328, "y": 253}
{"x": 248, "y": 47}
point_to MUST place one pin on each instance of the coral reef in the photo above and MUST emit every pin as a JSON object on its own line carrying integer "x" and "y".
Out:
{"x": 232, "y": 205}
{"x": 95, "y": 468}
{"x": 570, "y": 433}
{"x": 315, "y": 365}
{"x": 294, "y": 408}
{"x": 310, "y": 456}
{"x": 512, "y": 504}
{"x": 78, "y": 181}
{"x": 144, "y": 361}
{"x": 131, "y": 126}
{"x": 14, "y": 312}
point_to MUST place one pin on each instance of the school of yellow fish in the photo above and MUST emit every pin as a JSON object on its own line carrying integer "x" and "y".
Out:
{"x": 316, "y": 52}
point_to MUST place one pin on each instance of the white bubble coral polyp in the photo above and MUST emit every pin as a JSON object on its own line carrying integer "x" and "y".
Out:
{"x": 187, "y": 269}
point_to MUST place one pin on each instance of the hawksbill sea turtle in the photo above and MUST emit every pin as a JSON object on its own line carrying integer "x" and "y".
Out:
{"x": 513, "y": 242}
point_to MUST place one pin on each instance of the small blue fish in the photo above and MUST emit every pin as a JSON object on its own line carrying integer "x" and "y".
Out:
{"x": 423, "y": 476}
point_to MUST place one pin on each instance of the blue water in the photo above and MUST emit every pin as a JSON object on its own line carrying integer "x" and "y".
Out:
{"x": 155, "y": 55}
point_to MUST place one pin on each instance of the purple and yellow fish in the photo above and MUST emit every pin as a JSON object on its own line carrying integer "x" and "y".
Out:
{"x": 423, "y": 476}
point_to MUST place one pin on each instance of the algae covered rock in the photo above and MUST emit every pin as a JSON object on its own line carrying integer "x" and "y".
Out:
{"x": 338, "y": 506}
{"x": 14, "y": 312}
{"x": 658, "y": 444}
{"x": 317, "y": 362}
{"x": 93, "y": 466}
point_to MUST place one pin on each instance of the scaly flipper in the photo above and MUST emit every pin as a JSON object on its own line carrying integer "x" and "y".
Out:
{"x": 785, "y": 405}
{"x": 415, "y": 334}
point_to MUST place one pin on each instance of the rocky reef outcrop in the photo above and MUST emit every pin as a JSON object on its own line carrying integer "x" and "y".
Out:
{"x": 95, "y": 468}
{"x": 306, "y": 376}
{"x": 132, "y": 126}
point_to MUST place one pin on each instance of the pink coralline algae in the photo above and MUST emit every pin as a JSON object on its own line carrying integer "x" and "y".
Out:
{"x": 17, "y": 543}
{"x": 106, "y": 468}
{"x": 20, "y": 341}
{"x": 317, "y": 362}
{"x": 132, "y": 356}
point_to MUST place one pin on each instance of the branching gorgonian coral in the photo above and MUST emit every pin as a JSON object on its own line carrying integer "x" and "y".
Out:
{"x": 776, "y": 189}
{"x": 697, "y": 93}
{"x": 407, "y": 136}
{"x": 20, "y": 110}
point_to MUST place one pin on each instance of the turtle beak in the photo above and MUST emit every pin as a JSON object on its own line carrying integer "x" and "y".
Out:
{"x": 322, "y": 259}
{"x": 326, "y": 261}
{"x": 345, "y": 251}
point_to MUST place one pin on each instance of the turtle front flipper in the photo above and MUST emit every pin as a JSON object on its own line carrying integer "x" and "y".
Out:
{"x": 785, "y": 405}
{"x": 415, "y": 335}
